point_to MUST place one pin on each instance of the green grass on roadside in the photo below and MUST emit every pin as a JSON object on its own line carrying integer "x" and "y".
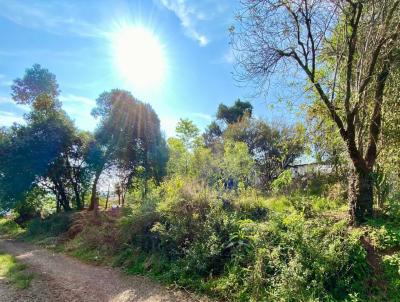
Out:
{"x": 9, "y": 228}
{"x": 14, "y": 272}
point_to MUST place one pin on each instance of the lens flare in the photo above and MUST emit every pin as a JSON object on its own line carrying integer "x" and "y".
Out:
{"x": 139, "y": 57}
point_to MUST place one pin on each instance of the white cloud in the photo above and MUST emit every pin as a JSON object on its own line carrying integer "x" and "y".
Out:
{"x": 4, "y": 81}
{"x": 46, "y": 15}
{"x": 203, "y": 116}
{"x": 79, "y": 108}
{"x": 6, "y": 100}
{"x": 77, "y": 100}
{"x": 188, "y": 16}
{"x": 229, "y": 57}
{"x": 9, "y": 118}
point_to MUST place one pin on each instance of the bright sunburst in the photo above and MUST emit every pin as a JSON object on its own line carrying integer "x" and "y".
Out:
{"x": 139, "y": 57}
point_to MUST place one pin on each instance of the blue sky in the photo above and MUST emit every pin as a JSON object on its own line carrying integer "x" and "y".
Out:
{"x": 72, "y": 40}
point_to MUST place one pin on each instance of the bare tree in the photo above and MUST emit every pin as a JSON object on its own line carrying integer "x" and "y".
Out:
{"x": 345, "y": 50}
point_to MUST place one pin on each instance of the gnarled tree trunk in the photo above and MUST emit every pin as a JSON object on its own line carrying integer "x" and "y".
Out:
{"x": 360, "y": 196}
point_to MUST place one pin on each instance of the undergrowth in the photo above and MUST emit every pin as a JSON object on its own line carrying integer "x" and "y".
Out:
{"x": 236, "y": 245}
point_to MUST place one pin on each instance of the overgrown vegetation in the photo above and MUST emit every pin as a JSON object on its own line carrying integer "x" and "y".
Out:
{"x": 237, "y": 211}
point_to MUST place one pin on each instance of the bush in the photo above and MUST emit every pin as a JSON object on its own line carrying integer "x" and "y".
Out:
{"x": 183, "y": 209}
{"x": 391, "y": 265}
{"x": 95, "y": 237}
{"x": 282, "y": 182}
{"x": 136, "y": 223}
{"x": 291, "y": 259}
{"x": 9, "y": 228}
{"x": 188, "y": 235}
{"x": 248, "y": 203}
{"x": 52, "y": 226}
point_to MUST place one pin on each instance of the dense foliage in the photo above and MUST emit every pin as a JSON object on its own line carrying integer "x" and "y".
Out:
{"x": 236, "y": 211}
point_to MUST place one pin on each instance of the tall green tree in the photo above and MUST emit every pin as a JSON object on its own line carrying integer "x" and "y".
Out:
{"x": 34, "y": 154}
{"x": 187, "y": 132}
{"x": 182, "y": 147}
{"x": 47, "y": 153}
{"x": 359, "y": 38}
{"x": 128, "y": 137}
{"x": 233, "y": 114}
{"x": 35, "y": 82}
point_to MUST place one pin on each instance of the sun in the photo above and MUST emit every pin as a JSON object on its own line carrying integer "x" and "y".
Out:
{"x": 139, "y": 57}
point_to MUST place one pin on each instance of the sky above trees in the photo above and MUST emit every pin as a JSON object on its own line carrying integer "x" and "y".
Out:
{"x": 88, "y": 46}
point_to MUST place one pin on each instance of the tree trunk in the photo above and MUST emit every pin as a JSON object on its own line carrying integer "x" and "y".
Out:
{"x": 78, "y": 201}
{"x": 123, "y": 198}
{"x": 62, "y": 194}
{"x": 58, "y": 206}
{"x": 108, "y": 195}
{"x": 64, "y": 200}
{"x": 93, "y": 200}
{"x": 360, "y": 196}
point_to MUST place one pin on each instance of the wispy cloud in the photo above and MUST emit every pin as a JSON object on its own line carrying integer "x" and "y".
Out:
{"x": 46, "y": 15}
{"x": 4, "y": 81}
{"x": 5, "y": 100}
{"x": 9, "y": 118}
{"x": 229, "y": 57}
{"x": 203, "y": 116}
{"x": 188, "y": 16}
{"x": 77, "y": 100}
{"x": 79, "y": 109}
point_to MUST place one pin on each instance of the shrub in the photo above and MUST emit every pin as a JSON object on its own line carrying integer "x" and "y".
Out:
{"x": 183, "y": 210}
{"x": 391, "y": 265}
{"x": 136, "y": 223}
{"x": 282, "y": 182}
{"x": 291, "y": 259}
{"x": 52, "y": 226}
{"x": 9, "y": 228}
{"x": 248, "y": 203}
{"x": 236, "y": 254}
{"x": 97, "y": 238}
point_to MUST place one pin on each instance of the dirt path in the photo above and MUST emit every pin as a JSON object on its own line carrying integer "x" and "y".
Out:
{"x": 61, "y": 278}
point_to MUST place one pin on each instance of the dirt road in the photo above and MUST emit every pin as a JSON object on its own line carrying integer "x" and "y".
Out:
{"x": 62, "y": 278}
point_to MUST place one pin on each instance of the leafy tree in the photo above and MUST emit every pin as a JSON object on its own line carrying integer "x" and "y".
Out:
{"x": 178, "y": 157}
{"x": 274, "y": 149}
{"x": 36, "y": 81}
{"x": 48, "y": 152}
{"x": 128, "y": 137}
{"x": 182, "y": 148}
{"x": 346, "y": 50}
{"x": 187, "y": 132}
{"x": 237, "y": 165}
{"x": 77, "y": 167}
{"x": 212, "y": 136}
{"x": 234, "y": 113}
{"x": 34, "y": 154}
{"x": 327, "y": 145}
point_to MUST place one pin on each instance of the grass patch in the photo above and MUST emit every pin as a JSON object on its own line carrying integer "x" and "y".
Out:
{"x": 14, "y": 272}
{"x": 9, "y": 228}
